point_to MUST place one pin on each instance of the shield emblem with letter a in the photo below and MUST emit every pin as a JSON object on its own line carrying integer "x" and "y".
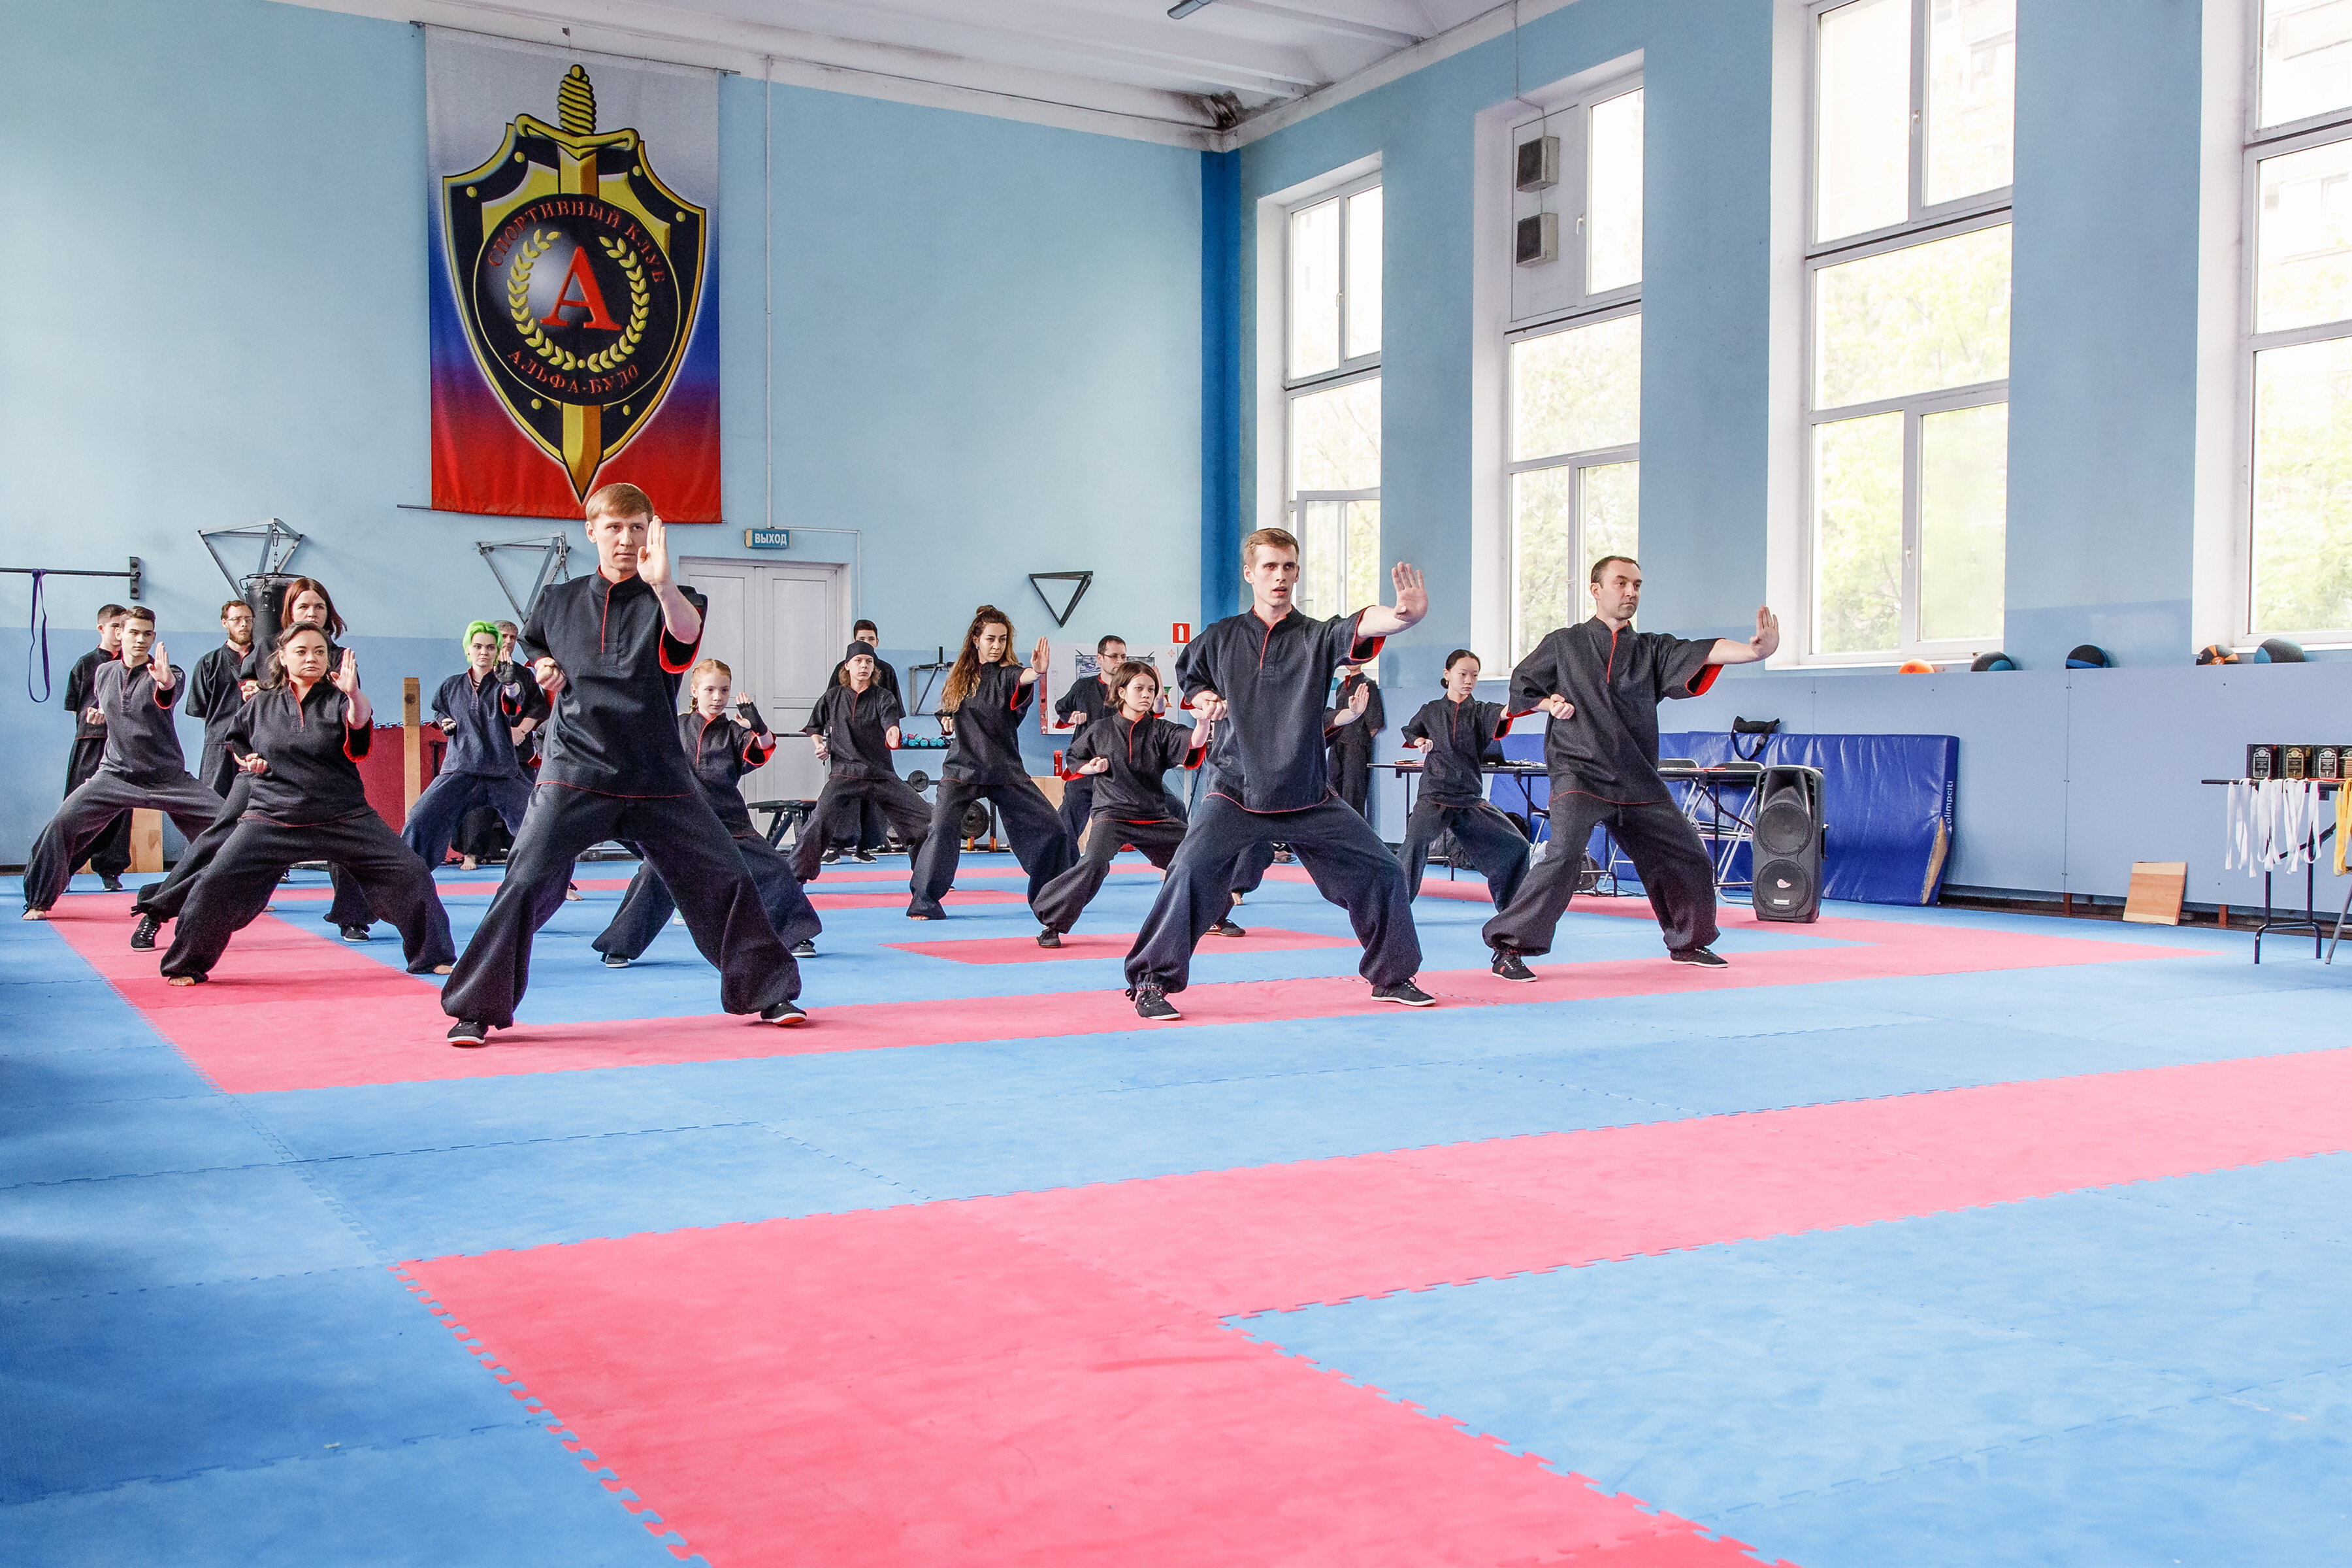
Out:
{"x": 578, "y": 274}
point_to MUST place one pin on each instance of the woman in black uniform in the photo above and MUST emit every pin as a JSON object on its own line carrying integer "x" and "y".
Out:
{"x": 479, "y": 709}
{"x": 299, "y": 739}
{"x": 722, "y": 751}
{"x": 1125, "y": 755}
{"x": 987, "y": 693}
{"x": 856, "y": 727}
{"x": 1454, "y": 734}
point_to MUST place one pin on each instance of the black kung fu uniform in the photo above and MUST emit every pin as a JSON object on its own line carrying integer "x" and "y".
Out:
{"x": 1603, "y": 762}
{"x": 1083, "y": 703}
{"x": 872, "y": 820}
{"x": 1131, "y": 805}
{"x": 722, "y": 751}
{"x": 983, "y": 761}
{"x": 214, "y": 697}
{"x": 1350, "y": 759}
{"x": 309, "y": 805}
{"x": 109, "y": 855}
{"x": 859, "y": 774}
{"x": 613, "y": 769}
{"x": 479, "y": 766}
{"x": 1453, "y": 795}
{"x": 1269, "y": 782}
{"x": 142, "y": 766}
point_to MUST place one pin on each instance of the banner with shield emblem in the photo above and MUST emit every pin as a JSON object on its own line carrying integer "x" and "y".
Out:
{"x": 574, "y": 301}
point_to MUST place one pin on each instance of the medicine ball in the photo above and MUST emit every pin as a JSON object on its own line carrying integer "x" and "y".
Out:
{"x": 2089, "y": 657}
{"x": 2278, "y": 650}
{"x": 1985, "y": 661}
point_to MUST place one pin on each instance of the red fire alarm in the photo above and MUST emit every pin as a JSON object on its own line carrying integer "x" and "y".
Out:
{"x": 1181, "y": 632}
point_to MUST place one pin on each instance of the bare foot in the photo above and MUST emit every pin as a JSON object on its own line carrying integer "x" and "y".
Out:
{"x": 469, "y": 864}
{"x": 443, "y": 968}
{"x": 181, "y": 980}
{"x": 37, "y": 914}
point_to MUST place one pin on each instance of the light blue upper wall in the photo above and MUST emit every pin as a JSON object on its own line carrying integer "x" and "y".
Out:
{"x": 987, "y": 344}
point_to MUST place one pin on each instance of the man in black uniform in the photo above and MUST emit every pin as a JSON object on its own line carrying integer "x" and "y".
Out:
{"x": 856, "y": 727}
{"x": 609, "y": 649}
{"x": 1454, "y": 734}
{"x": 1081, "y": 705}
{"x": 215, "y": 695}
{"x": 142, "y": 765}
{"x": 1261, "y": 677}
{"x": 872, "y": 822}
{"x": 1352, "y": 745}
{"x": 109, "y": 854}
{"x": 1601, "y": 683}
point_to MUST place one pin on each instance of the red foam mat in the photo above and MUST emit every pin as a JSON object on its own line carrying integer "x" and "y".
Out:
{"x": 1109, "y": 944}
{"x": 337, "y": 1018}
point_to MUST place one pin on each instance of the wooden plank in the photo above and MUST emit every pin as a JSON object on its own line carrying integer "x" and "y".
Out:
{"x": 146, "y": 839}
{"x": 2157, "y": 888}
{"x": 412, "y": 742}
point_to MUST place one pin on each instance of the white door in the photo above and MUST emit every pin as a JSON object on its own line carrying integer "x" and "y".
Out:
{"x": 780, "y": 629}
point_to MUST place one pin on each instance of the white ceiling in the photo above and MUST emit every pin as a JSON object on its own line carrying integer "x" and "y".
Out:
{"x": 1118, "y": 66}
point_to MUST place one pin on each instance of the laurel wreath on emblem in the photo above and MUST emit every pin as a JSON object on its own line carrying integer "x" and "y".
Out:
{"x": 527, "y": 323}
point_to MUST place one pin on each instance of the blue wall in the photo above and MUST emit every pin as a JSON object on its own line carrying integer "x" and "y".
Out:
{"x": 987, "y": 344}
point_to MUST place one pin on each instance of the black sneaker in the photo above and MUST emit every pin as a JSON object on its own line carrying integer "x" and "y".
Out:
{"x": 1049, "y": 939}
{"x": 144, "y": 939}
{"x": 469, "y": 1033}
{"x": 1706, "y": 958}
{"x": 355, "y": 933}
{"x": 783, "y": 1014}
{"x": 109, "y": 881}
{"x": 830, "y": 857}
{"x": 805, "y": 948}
{"x": 1509, "y": 965}
{"x": 1226, "y": 927}
{"x": 866, "y": 857}
{"x": 1152, "y": 1003}
{"x": 616, "y": 960}
{"x": 1405, "y": 994}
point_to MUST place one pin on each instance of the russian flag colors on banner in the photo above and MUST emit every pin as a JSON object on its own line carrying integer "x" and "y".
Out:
{"x": 574, "y": 278}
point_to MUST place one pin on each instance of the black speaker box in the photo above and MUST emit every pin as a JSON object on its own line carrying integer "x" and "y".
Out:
{"x": 1791, "y": 845}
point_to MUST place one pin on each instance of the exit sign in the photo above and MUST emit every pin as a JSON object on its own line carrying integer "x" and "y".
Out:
{"x": 767, "y": 539}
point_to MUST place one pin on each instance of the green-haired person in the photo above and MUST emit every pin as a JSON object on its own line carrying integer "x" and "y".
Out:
{"x": 484, "y": 709}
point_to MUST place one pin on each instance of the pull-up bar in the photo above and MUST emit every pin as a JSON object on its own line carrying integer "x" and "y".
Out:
{"x": 36, "y": 620}
{"x": 133, "y": 574}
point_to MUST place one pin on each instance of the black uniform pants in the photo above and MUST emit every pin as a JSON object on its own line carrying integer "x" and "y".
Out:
{"x": 1078, "y": 809}
{"x": 1250, "y": 869}
{"x": 245, "y": 871}
{"x": 646, "y": 906}
{"x": 483, "y": 833}
{"x": 1039, "y": 844}
{"x": 163, "y": 900}
{"x": 1067, "y": 896}
{"x": 216, "y": 769}
{"x": 1492, "y": 841}
{"x": 89, "y": 815}
{"x": 841, "y": 806}
{"x": 433, "y": 820}
{"x": 1351, "y": 775}
{"x": 1664, "y": 847}
{"x": 683, "y": 840}
{"x": 110, "y": 852}
{"x": 1351, "y": 866}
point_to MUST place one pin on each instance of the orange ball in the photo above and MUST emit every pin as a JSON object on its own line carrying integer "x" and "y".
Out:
{"x": 1916, "y": 667}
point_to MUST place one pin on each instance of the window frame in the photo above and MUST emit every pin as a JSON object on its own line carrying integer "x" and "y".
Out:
{"x": 1347, "y": 369}
{"x": 1580, "y": 457}
{"x": 1576, "y": 182}
{"x": 1924, "y": 226}
{"x": 2255, "y": 130}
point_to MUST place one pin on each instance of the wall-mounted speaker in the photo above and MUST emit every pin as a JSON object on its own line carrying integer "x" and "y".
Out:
{"x": 1539, "y": 239}
{"x": 1539, "y": 164}
{"x": 1791, "y": 845}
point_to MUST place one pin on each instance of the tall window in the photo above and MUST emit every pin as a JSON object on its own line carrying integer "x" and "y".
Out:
{"x": 1332, "y": 378}
{"x": 1575, "y": 418}
{"x": 2299, "y": 322}
{"x": 1909, "y": 266}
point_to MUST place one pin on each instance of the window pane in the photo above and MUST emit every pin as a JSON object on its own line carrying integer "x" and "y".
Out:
{"x": 1972, "y": 96}
{"x": 1858, "y": 535}
{"x": 1363, "y": 576}
{"x": 2307, "y": 58}
{"x": 1963, "y": 521}
{"x": 2303, "y": 488}
{"x": 1577, "y": 391}
{"x": 2303, "y": 238}
{"x": 1915, "y": 319}
{"x": 1335, "y": 438}
{"x": 1314, "y": 289}
{"x": 1543, "y": 558}
{"x": 1862, "y": 127}
{"x": 1614, "y": 199}
{"x": 1364, "y": 273}
{"x": 1321, "y": 529}
{"x": 1609, "y": 509}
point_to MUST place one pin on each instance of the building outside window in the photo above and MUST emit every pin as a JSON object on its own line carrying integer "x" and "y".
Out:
{"x": 1331, "y": 383}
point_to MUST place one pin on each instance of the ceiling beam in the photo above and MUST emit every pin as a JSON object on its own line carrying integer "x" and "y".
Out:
{"x": 1339, "y": 27}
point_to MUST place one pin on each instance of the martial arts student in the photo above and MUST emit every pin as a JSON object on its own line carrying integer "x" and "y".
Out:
{"x": 1085, "y": 702}
{"x": 872, "y": 832}
{"x": 299, "y": 738}
{"x": 215, "y": 694}
{"x": 1352, "y": 745}
{"x": 609, "y": 649}
{"x": 1249, "y": 871}
{"x": 1261, "y": 677}
{"x": 1601, "y": 681}
{"x": 1454, "y": 734}
{"x": 1126, "y": 755}
{"x": 856, "y": 727}
{"x": 482, "y": 834}
{"x": 109, "y": 856}
{"x": 987, "y": 693}
{"x": 304, "y": 602}
{"x": 142, "y": 766}
{"x": 478, "y": 709}
{"x": 720, "y": 751}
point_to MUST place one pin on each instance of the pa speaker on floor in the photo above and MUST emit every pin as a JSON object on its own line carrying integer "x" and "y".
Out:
{"x": 1790, "y": 843}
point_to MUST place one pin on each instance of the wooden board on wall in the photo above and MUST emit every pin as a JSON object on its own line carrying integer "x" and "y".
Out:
{"x": 146, "y": 839}
{"x": 2157, "y": 888}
